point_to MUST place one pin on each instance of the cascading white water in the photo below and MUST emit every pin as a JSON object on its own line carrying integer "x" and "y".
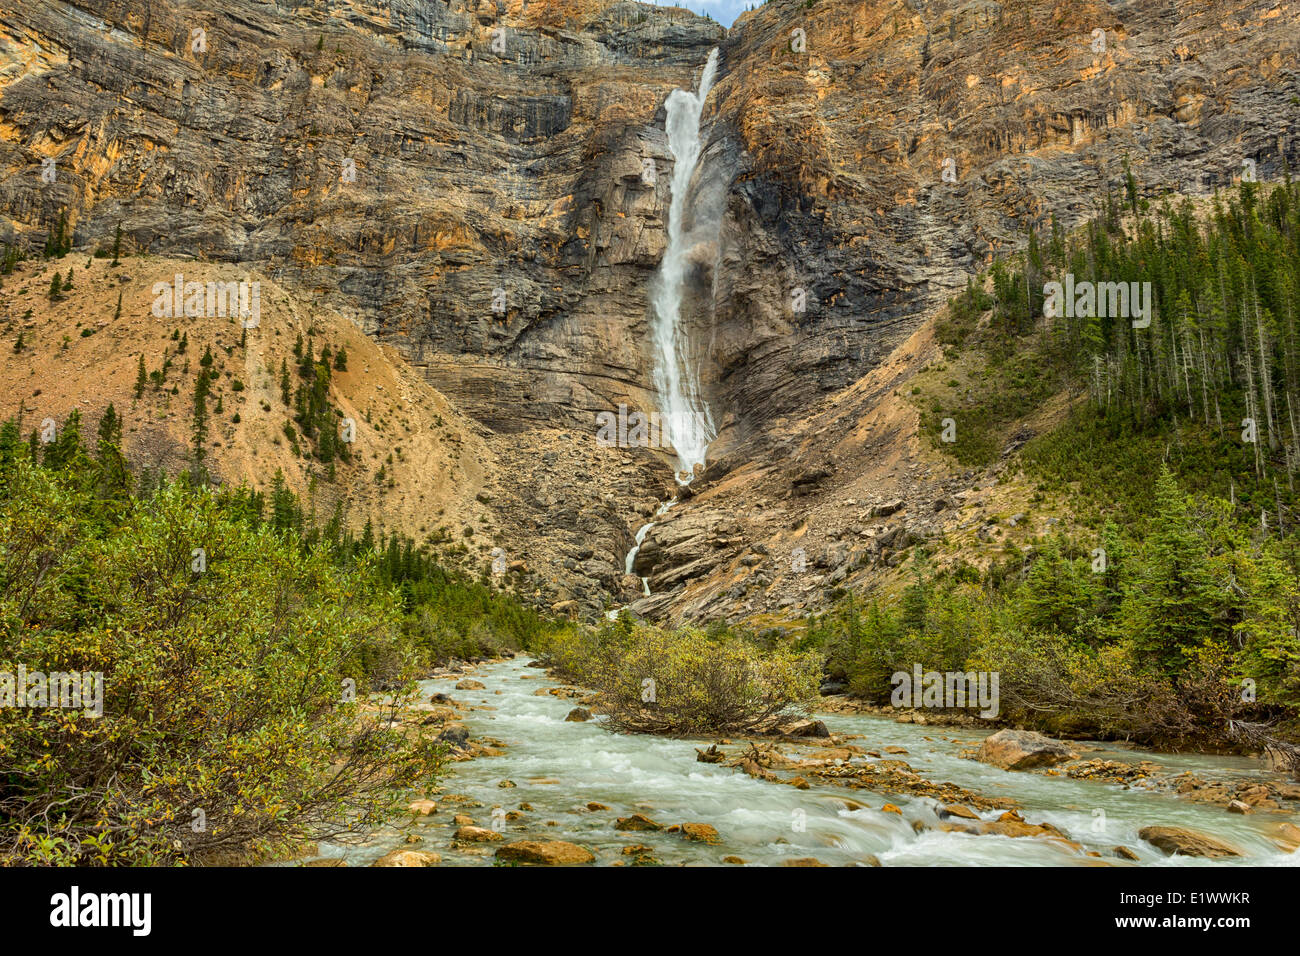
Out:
{"x": 687, "y": 422}
{"x": 630, "y": 560}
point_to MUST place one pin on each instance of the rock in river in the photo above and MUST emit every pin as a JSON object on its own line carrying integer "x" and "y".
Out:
{"x": 1180, "y": 841}
{"x": 1022, "y": 750}
{"x": 544, "y": 853}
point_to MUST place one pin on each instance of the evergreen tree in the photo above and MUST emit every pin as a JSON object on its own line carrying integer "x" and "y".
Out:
{"x": 1172, "y": 604}
{"x": 141, "y": 377}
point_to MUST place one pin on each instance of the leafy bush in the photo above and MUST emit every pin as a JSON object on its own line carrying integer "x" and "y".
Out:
{"x": 225, "y": 728}
{"x": 654, "y": 680}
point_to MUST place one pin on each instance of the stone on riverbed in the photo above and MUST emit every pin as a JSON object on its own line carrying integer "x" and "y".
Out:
{"x": 408, "y": 858}
{"x": 804, "y": 728}
{"x": 578, "y": 714}
{"x": 1022, "y": 750}
{"x": 637, "y": 821}
{"x": 477, "y": 835}
{"x": 700, "y": 832}
{"x": 1180, "y": 841}
{"x": 469, "y": 684}
{"x": 1287, "y": 837}
{"x": 544, "y": 853}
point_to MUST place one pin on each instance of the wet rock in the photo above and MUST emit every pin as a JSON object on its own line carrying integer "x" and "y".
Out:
{"x": 469, "y": 684}
{"x": 578, "y": 715}
{"x": 700, "y": 833}
{"x": 1124, "y": 853}
{"x": 1286, "y": 836}
{"x": 423, "y": 807}
{"x": 544, "y": 853}
{"x": 734, "y": 860}
{"x": 637, "y": 821}
{"x": 804, "y": 861}
{"x": 463, "y": 820}
{"x": 408, "y": 858}
{"x": 327, "y": 861}
{"x": 804, "y": 728}
{"x": 1022, "y": 750}
{"x": 1180, "y": 841}
{"x": 477, "y": 835}
{"x": 957, "y": 810}
{"x": 1238, "y": 806}
{"x": 457, "y": 736}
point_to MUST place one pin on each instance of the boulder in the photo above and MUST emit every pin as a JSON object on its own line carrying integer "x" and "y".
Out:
{"x": 888, "y": 508}
{"x": 457, "y": 736}
{"x": 1179, "y": 841}
{"x": 1287, "y": 837}
{"x": 408, "y": 858}
{"x": 578, "y": 715}
{"x": 477, "y": 835}
{"x": 805, "y": 728}
{"x": 469, "y": 684}
{"x": 544, "y": 853}
{"x": 700, "y": 832}
{"x": 1022, "y": 750}
{"x": 637, "y": 821}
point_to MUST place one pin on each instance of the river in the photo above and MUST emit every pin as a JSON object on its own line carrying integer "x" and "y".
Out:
{"x": 765, "y": 823}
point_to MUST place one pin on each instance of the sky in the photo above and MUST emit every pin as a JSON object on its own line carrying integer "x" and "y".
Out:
{"x": 724, "y": 11}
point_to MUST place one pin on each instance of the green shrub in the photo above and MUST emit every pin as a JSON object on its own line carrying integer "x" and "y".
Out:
{"x": 224, "y": 689}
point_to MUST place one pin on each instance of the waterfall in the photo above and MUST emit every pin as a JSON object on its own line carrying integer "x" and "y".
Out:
{"x": 687, "y": 422}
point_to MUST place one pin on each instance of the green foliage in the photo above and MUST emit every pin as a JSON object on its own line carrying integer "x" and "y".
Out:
{"x": 1147, "y": 635}
{"x": 224, "y": 691}
{"x": 654, "y": 680}
{"x": 227, "y": 672}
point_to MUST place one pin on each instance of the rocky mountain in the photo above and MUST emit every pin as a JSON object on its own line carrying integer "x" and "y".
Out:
{"x": 483, "y": 189}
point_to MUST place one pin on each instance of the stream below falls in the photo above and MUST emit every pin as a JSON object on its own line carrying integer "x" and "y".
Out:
{"x": 558, "y": 767}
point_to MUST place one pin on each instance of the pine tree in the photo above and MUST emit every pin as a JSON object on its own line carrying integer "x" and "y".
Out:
{"x": 114, "y": 477}
{"x": 1172, "y": 604}
{"x": 200, "y": 424}
{"x": 141, "y": 378}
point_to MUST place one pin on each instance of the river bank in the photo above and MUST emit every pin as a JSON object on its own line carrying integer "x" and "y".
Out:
{"x": 874, "y": 791}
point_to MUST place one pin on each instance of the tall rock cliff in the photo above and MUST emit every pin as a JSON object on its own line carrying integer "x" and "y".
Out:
{"x": 483, "y": 186}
